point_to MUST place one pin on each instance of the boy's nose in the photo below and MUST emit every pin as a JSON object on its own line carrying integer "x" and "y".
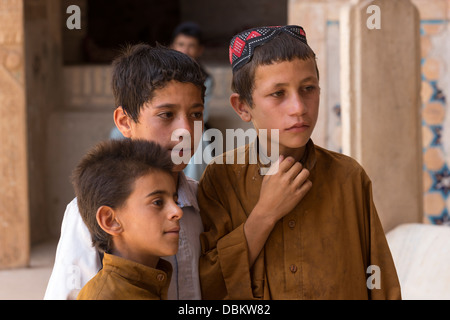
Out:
{"x": 184, "y": 123}
{"x": 297, "y": 106}
{"x": 183, "y": 129}
{"x": 175, "y": 212}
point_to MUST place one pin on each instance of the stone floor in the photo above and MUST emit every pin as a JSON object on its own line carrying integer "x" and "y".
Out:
{"x": 29, "y": 283}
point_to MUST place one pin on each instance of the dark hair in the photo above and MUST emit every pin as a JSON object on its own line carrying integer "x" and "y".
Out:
{"x": 106, "y": 175}
{"x": 281, "y": 48}
{"x": 190, "y": 29}
{"x": 141, "y": 69}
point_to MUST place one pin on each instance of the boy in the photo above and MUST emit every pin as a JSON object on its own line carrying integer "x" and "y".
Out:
{"x": 187, "y": 38}
{"x": 127, "y": 198}
{"x": 157, "y": 90}
{"x": 309, "y": 228}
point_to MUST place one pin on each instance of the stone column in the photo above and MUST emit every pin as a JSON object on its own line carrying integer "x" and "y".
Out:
{"x": 43, "y": 24}
{"x": 380, "y": 98}
{"x": 14, "y": 211}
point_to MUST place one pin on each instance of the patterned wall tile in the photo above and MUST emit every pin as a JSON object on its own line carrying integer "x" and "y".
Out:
{"x": 436, "y": 173}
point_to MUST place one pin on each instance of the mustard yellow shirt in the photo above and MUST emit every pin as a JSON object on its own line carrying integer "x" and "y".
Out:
{"x": 123, "y": 279}
{"x": 320, "y": 250}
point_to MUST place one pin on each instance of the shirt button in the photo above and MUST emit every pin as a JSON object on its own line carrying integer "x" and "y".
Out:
{"x": 291, "y": 224}
{"x": 160, "y": 277}
{"x": 293, "y": 268}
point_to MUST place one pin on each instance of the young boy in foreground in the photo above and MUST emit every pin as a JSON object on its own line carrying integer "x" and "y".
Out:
{"x": 127, "y": 198}
{"x": 309, "y": 228}
{"x": 157, "y": 90}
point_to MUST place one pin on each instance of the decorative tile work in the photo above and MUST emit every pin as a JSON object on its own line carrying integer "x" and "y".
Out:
{"x": 434, "y": 107}
{"x": 442, "y": 181}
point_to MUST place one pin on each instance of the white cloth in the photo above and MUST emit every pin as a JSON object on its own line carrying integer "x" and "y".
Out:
{"x": 77, "y": 261}
{"x": 422, "y": 258}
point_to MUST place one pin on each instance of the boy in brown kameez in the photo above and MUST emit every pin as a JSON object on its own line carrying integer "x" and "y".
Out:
{"x": 307, "y": 230}
{"x": 127, "y": 198}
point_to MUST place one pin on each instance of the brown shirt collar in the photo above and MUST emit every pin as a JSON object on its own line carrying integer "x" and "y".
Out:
{"x": 152, "y": 279}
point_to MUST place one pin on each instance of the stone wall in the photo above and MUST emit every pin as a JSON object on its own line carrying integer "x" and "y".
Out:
{"x": 83, "y": 119}
{"x": 43, "y": 60}
{"x": 14, "y": 210}
{"x": 380, "y": 98}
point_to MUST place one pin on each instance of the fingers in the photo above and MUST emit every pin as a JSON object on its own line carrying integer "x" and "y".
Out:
{"x": 303, "y": 189}
{"x": 275, "y": 166}
{"x": 286, "y": 163}
{"x": 285, "y": 188}
{"x": 300, "y": 178}
{"x": 282, "y": 165}
{"x": 292, "y": 172}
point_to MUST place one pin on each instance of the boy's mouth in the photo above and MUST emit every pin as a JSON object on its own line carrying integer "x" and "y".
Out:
{"x": 174, "y": 231}
{"x": 298, "y": 127}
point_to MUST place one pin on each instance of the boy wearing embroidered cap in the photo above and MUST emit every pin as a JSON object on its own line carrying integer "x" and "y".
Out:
{"x": 309, "y": 228}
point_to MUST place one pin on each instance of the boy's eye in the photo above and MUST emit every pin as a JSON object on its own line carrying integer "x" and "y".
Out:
{"x": 309, "y": 89}
{"x": 277, "y": 94}
{"x": 158, "y": 202}
{"x": 197, "y": 115}
{"x": 175, "y": 199}
{"x": 166, "y": 115}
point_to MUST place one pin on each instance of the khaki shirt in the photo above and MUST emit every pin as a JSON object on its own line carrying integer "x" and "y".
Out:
{"x": 123, "y": 279}
{"x": 320, "y": 250}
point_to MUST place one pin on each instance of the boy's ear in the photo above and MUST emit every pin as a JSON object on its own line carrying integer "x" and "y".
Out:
{"x": 241, "y": 107}
{"x": 123, "y": 122}
{"x": 107, "y": 220}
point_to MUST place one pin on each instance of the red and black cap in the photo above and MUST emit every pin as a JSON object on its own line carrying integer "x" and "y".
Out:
{"x": 243, "y": 44}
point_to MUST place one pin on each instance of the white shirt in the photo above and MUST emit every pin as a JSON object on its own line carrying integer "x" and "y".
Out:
{"x": 77, "y": 261}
